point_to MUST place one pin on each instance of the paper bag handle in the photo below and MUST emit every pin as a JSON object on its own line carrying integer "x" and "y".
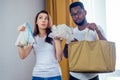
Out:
{"x": 86, "y": 35}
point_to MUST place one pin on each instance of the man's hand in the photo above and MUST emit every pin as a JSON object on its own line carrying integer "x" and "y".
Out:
{"x": 92, "y": 26}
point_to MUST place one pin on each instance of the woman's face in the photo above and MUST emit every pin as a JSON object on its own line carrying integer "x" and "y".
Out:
{"x": 42, "y": 21}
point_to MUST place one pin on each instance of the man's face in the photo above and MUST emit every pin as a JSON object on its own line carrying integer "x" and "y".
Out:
{"x": 78, "y": 15}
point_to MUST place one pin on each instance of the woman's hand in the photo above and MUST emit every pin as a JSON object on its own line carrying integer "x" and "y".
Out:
{"x": 58, "y": 49}
{"x": 21, "y": 28}
{"x": 24, "y": 51}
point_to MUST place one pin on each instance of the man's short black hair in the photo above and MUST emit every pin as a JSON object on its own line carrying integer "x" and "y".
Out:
{"x": 74, "y": 4}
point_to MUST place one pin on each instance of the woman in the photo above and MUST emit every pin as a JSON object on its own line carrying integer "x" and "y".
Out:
{"x": 48, "y": 51}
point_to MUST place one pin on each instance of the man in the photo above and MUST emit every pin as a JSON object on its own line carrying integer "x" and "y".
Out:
{"x": 78, "y": 14}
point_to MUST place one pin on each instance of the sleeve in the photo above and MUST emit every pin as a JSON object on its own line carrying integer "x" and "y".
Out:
{"x": 101, "y": 30}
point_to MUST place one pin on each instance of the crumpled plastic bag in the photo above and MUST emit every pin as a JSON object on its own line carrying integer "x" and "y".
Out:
{"x": 25, "y": 37}
{"x": 62, "y": 31}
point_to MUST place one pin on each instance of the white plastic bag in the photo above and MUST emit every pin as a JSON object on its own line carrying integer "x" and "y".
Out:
{"x": 25, "y": 37}
{"x": 62, "y": 31}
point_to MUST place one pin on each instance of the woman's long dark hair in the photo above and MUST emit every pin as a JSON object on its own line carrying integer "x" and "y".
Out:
{"x": 48, "y": 29}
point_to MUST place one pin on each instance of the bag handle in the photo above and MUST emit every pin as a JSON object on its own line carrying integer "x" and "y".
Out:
{"x": 86, "y": 34}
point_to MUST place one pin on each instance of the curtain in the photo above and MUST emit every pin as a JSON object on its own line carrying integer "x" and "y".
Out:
{"x": 59, "y": 11}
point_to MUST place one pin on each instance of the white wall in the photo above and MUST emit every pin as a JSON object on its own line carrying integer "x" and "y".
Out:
{"x": 12, "y": 14}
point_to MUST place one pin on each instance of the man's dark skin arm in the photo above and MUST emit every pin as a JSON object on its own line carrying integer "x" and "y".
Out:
{"x": 66, "y": 49}
{"x": 93, "y": 26}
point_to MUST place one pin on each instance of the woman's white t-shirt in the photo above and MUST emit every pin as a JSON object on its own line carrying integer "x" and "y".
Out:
{"x": 46, "y": 62}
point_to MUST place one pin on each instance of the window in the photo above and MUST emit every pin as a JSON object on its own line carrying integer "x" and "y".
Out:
{"x": 113, "y": 16}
